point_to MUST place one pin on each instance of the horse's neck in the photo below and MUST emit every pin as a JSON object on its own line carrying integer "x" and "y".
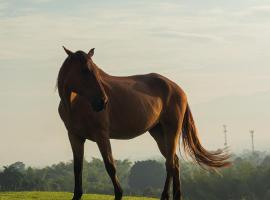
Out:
{"x": 102, "y": 74}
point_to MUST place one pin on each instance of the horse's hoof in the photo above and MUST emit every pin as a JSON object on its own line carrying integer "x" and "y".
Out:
{"x": 177, "y": 196}
{"x": 165, "y": 196}
{"x": 118, "y": 197}
{"x": 77, "y": 197}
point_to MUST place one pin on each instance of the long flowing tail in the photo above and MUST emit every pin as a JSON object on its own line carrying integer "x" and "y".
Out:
{"x": 196, "y": 151}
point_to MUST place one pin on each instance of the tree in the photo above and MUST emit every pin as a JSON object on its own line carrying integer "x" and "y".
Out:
{"x": 12, "y": 177}
{"x": 147, "y": 174}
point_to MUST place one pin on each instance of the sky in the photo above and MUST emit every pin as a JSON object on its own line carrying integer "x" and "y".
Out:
{"x": 217, "y": 51}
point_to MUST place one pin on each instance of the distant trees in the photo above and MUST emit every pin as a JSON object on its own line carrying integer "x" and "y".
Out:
{"x": 59, "y": 177}
{"x": 244, "y": 180}
{"x": 248, "y": 178}
{"x": 146, "y": 176}
{"x": 11, "y": 178}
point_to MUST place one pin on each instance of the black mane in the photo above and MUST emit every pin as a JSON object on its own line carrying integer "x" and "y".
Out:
{"x": 78, "y": 55}
{"x": 82, "y": 56}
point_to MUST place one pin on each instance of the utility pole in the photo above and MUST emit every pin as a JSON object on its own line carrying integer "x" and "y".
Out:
{"x": 225, "y": 135}
{"x": 252, "y": 140}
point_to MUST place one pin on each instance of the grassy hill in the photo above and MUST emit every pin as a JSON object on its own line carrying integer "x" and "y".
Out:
{"x": 58, "y": 196}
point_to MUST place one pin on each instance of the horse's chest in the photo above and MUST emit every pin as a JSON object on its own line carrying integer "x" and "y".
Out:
{"x": 86, "y": 123}
{"x": 80, "y": 127}
{"x": 89, "y": 128}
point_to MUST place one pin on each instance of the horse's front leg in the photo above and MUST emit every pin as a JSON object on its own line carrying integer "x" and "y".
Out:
{"x": 77, "y": 145}
{"x": 104, "y": 146}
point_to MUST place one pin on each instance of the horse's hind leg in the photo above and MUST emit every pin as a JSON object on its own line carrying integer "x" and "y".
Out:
{"x": 176, "y": 179}
{"x": 104, "y": 146}
{"x": 171, "y": 123}
{"x": 157, "y": 133}
{"x": 172, "y": 172}
{"x": 172, "y": 165}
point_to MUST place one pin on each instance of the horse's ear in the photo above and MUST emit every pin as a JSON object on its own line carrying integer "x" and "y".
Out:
{"x": 67, "y": 51}
{"x": 91, "y": 53}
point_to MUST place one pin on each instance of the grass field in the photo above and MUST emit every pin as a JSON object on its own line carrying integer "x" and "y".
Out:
{"x": 58, "y": 196}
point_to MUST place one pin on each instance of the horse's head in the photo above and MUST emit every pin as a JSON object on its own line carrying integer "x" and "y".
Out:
{"x": 79, "y": 74}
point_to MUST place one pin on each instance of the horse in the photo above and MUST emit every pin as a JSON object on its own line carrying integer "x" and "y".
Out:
{"x": 97, "y": 106}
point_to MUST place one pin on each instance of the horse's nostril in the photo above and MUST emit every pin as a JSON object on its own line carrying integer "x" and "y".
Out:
{"x": 99, "y": 105}
{"x": 101, "y": 102}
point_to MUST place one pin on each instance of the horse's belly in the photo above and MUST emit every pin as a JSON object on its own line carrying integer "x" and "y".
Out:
{"x": 133, "y": 121}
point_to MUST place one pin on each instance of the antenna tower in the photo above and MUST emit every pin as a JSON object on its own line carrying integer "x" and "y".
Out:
{"x": 225, "y": 135}
{"x": 252, "y": 140}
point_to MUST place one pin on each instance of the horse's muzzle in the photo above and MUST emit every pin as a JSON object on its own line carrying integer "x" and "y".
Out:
{"x": 99, "y": 105}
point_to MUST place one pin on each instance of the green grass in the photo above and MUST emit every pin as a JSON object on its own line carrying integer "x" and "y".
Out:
{"x": 58, "y": 196}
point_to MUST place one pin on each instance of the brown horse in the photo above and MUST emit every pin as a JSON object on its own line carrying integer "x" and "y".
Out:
{"x": 97, "y": 106}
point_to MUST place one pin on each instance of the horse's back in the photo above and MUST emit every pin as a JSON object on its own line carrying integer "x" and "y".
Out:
{"x": 164, "y": 88}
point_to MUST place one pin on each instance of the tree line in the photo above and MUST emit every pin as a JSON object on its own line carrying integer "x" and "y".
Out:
{"x": 247, "y": 179}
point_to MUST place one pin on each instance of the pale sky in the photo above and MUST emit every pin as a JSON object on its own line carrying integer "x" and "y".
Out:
{"x": 217, "y": 51}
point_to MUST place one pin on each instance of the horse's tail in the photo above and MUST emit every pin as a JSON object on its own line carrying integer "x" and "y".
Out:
{"x": 196, "y": 151}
